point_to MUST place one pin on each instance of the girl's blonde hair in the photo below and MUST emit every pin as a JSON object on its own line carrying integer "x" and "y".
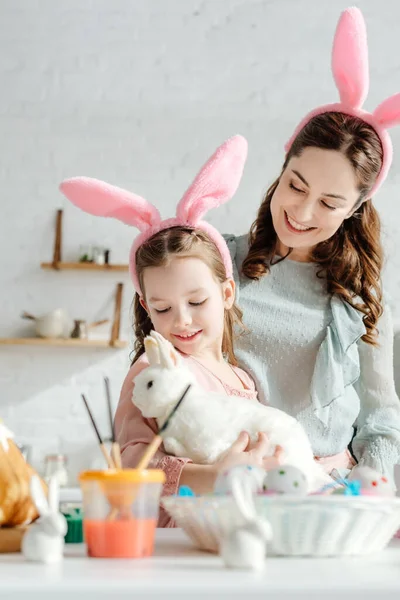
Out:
{"x": 158, "y": 251}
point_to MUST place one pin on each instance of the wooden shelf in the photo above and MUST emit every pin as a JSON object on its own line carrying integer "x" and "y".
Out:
{"x": 63, "y": 342}
{"x": 83, "y": 266}
{"x": 58, "y": 264}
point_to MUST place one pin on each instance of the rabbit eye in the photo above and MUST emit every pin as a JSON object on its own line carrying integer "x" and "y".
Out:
{"x": 149, "y": 385}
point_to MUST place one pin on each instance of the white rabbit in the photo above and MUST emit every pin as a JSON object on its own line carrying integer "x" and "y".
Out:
{"x": 245, "y": 546}
{"x": 44, "y": 540}
{"x": 206, "y": 424}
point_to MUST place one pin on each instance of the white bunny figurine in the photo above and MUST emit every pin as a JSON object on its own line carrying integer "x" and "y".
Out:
{"x": 206, "y": 424}
{"x": 245, "y": 546}
{"x": 44, "y": 540}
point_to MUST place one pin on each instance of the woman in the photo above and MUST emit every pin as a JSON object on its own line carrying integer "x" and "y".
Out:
{"x": 319, "y": 340}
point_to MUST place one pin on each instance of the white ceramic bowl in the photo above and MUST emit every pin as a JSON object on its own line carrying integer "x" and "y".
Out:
{"x": 311, "y": 526}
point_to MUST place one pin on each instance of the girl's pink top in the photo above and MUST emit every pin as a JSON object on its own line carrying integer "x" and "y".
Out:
{"x": 134, "y": 432}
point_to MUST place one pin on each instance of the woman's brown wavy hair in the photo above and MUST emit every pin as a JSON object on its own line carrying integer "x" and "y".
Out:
{"x": 158, "y": 251}
{"x": 351, "y": 260}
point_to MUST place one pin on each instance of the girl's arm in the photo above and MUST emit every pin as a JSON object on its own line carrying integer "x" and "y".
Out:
{"x": 134, "y": 432}
{"x": 377, "y": 442}
{"x": 201, "y": 478}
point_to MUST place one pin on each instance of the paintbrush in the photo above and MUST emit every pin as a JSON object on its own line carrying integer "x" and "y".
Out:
{"x": 101, "y": 443}
{"x": 157, "y": 440}
{"x": 115, "y": 450}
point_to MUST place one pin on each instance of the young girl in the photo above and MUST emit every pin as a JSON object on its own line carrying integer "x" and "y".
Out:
{"x": 182, "y": 271}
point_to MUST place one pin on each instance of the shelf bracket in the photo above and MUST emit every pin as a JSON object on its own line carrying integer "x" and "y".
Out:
{"x": 58, "y": 240}
{"x": 115, "y": 329}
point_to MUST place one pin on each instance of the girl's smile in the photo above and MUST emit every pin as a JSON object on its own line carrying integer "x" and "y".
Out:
{"x": 186, "y": 304}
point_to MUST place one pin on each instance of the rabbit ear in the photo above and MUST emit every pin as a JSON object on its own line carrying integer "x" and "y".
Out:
{"x": 216, "y": 183}
{"x": 388, "y": 112}
{"x": 350, "y": 58}
{"x": 243, "y": 498}
{"x": 38, "y": 496}
{"x": 169, "y": 357}
{"x": 54, "y": 494}
{"x": 152, "y": 351}
{"x": 102, "y": 199}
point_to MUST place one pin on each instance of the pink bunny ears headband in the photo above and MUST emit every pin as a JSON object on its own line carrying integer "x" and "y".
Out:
{"x": 214, "y": 185}
{"x": 351, "y": 74}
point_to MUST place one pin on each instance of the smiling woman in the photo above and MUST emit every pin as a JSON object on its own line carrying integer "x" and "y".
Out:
{"x": 317, "y": 211}
{"x": 308, "y": 275}
{"x": 308, "y": 282}
{"x": 316, "y": 192}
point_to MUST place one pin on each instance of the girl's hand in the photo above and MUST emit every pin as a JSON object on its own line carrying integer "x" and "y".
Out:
{"x": 243, "y": 452}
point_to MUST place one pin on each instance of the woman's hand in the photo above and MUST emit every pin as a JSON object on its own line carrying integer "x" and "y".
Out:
{"x": 244, "y": 452}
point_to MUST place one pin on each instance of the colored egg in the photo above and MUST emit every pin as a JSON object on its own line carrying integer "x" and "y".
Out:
{"x": 251, "y": 475}
{"x": 286, "y": 479}
{"x": 372, "y": 483}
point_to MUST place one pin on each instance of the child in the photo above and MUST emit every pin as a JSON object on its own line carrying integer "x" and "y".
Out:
{"x": 182, "y": 271}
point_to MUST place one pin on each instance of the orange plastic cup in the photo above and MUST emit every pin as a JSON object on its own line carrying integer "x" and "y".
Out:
{"x": 120, "y": 511}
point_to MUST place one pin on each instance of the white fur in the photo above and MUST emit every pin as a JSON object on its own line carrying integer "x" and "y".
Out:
{"x": 44, "y": 540}
{"x": 245, "y": 547}
{"x": 206, "y": 424}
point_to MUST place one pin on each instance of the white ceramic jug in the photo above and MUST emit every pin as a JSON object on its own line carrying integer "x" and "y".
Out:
{"x": 54, "y": 324}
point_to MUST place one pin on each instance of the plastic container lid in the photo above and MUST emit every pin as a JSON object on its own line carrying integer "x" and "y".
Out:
{"x": 124, "y": 476}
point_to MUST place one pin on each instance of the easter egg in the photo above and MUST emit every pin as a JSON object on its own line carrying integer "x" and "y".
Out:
{"x": 286, "y": 479}
{"x": 372, "y": 483}
{"x": 252, "y": 476}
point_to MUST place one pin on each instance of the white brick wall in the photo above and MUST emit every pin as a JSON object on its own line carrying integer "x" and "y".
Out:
{"x": 140, "y": 93}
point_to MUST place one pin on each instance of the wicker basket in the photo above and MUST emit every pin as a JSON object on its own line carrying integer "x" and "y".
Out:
{"x": 311, "y": 526}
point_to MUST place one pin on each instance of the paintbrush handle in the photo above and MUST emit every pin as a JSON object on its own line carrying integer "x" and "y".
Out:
{"x": 116, "y": 455}
{"x": 150, "y": 452}
{"x": 107, "y": 457}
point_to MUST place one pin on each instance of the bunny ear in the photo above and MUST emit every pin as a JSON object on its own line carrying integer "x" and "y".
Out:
{"x": 243, "y": 497}
{"x": 217, "y": 181}
{"x": 102, "y": 199}
{"x": 152, "y": 352}
{"x": 350, "y": 58}
{"x": 169, "y": 357}
{"x": 38, "y": 496}
{"x": 388, "y": 112}
{"x": 54, "y": 494}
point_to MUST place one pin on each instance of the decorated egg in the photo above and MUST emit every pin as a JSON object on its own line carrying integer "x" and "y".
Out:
{"x": 250, "y": 475}
{"x": 372, "y": 483}
{"x": 286, "y": 479}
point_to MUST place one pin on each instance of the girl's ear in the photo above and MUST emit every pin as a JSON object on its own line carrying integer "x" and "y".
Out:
{"x": 143, "y": 304}
{"x": 228, "y": 291}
